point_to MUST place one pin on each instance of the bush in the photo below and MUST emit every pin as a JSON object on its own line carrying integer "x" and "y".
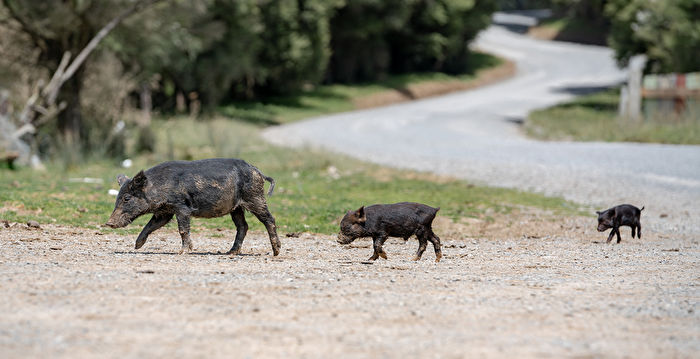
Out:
{"x": 668, "y": 32}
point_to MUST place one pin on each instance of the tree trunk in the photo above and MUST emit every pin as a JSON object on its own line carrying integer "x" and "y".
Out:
{"x": 70, "y": 121}
{"x": 146, "y": 104}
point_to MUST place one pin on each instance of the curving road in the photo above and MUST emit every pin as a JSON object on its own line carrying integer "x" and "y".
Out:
{"x": 474, "y": 135}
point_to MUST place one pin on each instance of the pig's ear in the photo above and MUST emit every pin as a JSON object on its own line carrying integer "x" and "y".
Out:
{"x": 139, "y": 181}
{"x": 598, "y": 212}
{"x": 121, "y": 179}
{"x": 361, "y": 215}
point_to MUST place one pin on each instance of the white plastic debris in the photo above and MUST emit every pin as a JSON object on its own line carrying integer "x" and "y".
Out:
{"x": 86, "y": 180}
{"x": 112, "y": 192}
{"x": 127, "y": 163}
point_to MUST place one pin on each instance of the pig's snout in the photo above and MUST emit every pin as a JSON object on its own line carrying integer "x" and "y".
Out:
{"x": 343, "y": 239}
{"x": 602, "y": 228}
{"x": 112, "y": 224}
{"x": 117, "y": 220}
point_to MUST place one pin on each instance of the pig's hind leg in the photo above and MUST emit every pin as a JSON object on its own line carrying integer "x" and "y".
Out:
{"x": 238, "y": 217}
{"x": 157, "y": 221}
{"x": 634, "y": 227}
{"x": 436, "y": 245}
{"x": 639, "y": 230}
{"x": 422, "y": 243}
{"x": 183, "y": 226}
{"x": 263, "y": 214}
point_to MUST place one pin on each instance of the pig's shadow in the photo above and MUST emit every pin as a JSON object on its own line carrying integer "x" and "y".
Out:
{"x": 191, "y": 253}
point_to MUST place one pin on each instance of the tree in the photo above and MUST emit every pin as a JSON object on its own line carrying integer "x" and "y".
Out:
{"x": 668, "y": 32}
{"x": 371, "y": 38}
{"x": 60, "y": 28}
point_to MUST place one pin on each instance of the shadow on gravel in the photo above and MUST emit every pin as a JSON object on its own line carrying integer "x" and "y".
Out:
{"x": 191, "y": 253}
{"x": 580, "y": 90}
{"x": 516, "y": 120}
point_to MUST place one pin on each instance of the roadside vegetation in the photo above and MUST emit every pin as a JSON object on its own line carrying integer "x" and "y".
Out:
{"x": 594, "y": 118}
{"x": 314, "y": 189}
{"x": 327, "y": 99}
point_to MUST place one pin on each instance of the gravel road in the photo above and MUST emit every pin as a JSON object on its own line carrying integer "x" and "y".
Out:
{"x": 475, "y": 135}
{"x": 77, "y": 293}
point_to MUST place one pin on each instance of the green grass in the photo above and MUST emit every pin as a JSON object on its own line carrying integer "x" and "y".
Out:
{"x": 594, "y": 118}
{"x": 574, "y": 30}
{"x": 339, "y": 98}
{"x": 308, "y": 196}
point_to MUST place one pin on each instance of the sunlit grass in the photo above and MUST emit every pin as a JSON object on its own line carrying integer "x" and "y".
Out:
{"x": 314, "y": 189}
{"x": 338, "y": 98}
{"x": 594, "y": 118}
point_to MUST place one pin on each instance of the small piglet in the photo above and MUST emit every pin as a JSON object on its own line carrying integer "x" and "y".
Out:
{"x": 205, "y": 188}
{"x": 381, "y": 221}
{"x": 622, "y": 215}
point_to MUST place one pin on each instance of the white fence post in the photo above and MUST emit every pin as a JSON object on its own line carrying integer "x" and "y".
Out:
{"x": 634, "y": 87}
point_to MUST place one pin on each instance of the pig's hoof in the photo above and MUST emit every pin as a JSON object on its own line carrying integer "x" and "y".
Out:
{"x": 383, "y": 255}
{"x": 184, "y": 250}
{"x": 373, "y": 258}
{"x": 275, "y": 251}
{"x": 437, "y": 258}
{"x": 234, "y": 252}
{"x": 416, "y": 258}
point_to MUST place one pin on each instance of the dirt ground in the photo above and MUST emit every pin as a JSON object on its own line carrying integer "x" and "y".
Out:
{"x": 528, "y": 285}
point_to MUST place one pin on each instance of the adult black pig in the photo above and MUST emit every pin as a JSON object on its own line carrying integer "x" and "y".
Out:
{"x": 205, "y": 188}
{"x": 402, "y": 220}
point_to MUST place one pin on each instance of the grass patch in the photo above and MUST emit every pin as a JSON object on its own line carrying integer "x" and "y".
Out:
{"x": 571, "y": 30}
{"x": 594, "y": 118}
{"x": 340, "y": 98}
{"x": 314, "y": 189}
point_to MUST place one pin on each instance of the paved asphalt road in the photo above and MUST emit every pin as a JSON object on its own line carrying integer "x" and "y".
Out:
{"x": 475, "y": 135}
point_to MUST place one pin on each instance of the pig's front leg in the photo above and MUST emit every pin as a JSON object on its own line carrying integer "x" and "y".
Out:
{"x": 157, "y": 221}
{"x": 617, "y": 231}
{"x": 378, "y": 250}
{"x": 183, "y": 226}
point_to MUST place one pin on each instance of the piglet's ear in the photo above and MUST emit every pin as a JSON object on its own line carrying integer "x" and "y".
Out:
{"x": 121, "y": 179}
{"x": 361, "y": 215}
{"x": 139, "y": 181}
{"x": 598, "y": 212}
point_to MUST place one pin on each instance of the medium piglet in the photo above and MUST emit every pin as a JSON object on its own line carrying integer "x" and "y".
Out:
{"x": 381, "y": 221}
{"x": 622, "y": 215}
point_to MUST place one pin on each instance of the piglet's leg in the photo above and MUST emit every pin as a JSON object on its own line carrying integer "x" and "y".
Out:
{"x": 639, "y": 230}
{"x": 183, "y": 226}
{"x": 617, "y": 231}
{"x": 436, "y": 245}
{"x": 612, "y": 233}
{"x": 378, "y": 250}
{"x": 634, "y": 227}
{"x": 422, "y": 243}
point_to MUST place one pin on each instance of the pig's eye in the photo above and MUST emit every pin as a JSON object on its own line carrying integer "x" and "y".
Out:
{"x": 127, "y": 198}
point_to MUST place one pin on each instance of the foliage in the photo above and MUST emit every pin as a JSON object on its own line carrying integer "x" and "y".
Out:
{"x": 57, "y": 27}
{"x": 594, "y": 118}
{"x": 668, "y": 32}
{"x": 326, "y": 99}
{"x": 371, "y": 38}
{"x": 314, "y": 189}
{"x": 181, "y": 53}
